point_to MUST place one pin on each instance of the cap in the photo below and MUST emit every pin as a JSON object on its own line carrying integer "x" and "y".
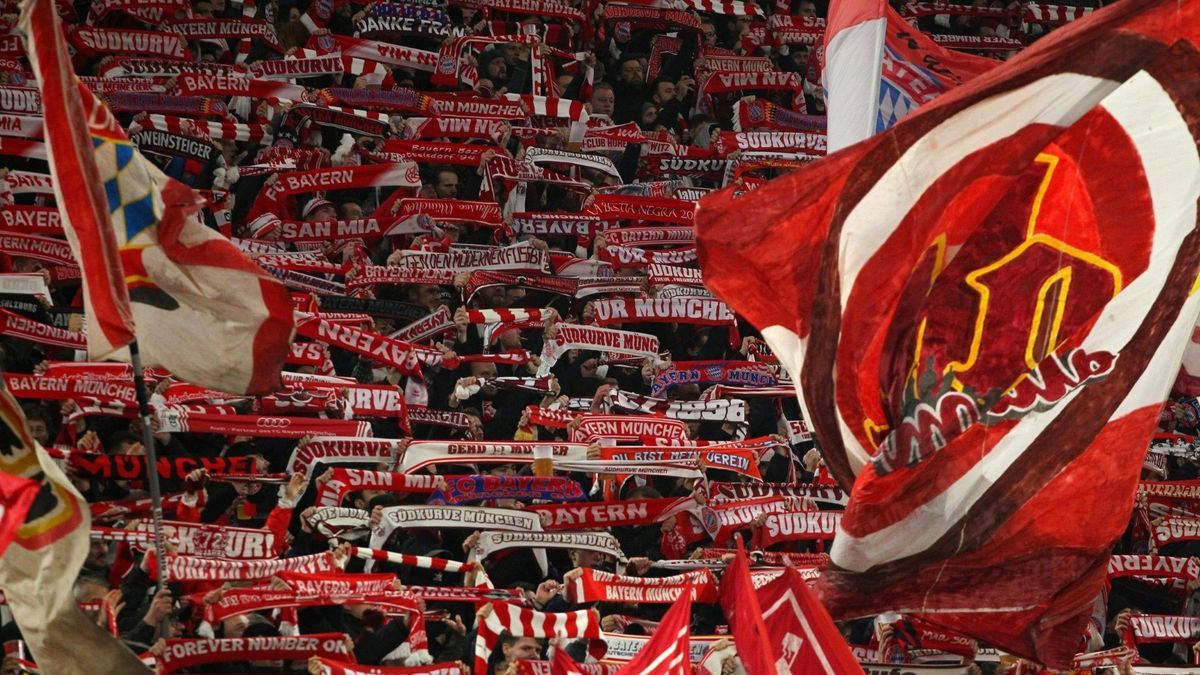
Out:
{"x": 313, "y": 205}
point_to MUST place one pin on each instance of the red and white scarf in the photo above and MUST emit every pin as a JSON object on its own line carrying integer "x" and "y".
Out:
{"x": 67, "y": 388}
{"x": 739, "y": 460}
{"x": 381, "y": 52}
{"x": 1176, "y": 528}
{"x": 54, "y": 251}
{"x": 344, "y": 481}
{"x": 661, "y": 275}
{"x": 720, "y": 410}
{"x": 660, "y": 310}
{"x": 1149, "y": 628}
{"x": 125, "y": 41}
{"x": 421, "y": 454}
{"x": 618, "y": 513}
{"x": 216, "y": 130}
{"x": 572, "y": 336}
{"x": 521, "y": 622}
{"x": 522, "y": 257}
{"x": 354, "y": 450}
{"x": 627, "y": 428}
{"x": 38, "y": 219}
{"x": 720, "y": 493}
{"x": 374, "y": 275}
{"x": 798, "y": 526}
{"x": 438, "y": 417}
{"x": 218, "y": 541}
{"x": 15, "y": 325}
{"x": 195, "y": 568}
{"x": 405, "y": 357}
{"x": 422, "y": 329}
{"x": 184, "y": 653}
{"x": 597, "y": 542}
{"x": 421, "y": 561}
{"x": 175, "y": 419}
{"x": 598, "y": 586}
{"x": 243, "y": 600}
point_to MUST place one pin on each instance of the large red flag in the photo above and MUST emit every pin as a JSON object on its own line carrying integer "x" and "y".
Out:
{"x": 740, "y": 602}
{"x": 668, "y": 651}
{"x": 801, "y": 628}
{"x": 976, "y": 331}
{"x": 201, "y": 308}
{"x": 77, "y": 183}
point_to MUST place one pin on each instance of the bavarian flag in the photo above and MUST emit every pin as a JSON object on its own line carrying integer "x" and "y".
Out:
{"x": 197, "y": 305}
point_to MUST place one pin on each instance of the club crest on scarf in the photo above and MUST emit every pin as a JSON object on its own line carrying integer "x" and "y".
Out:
{"x": 998, "y": 328}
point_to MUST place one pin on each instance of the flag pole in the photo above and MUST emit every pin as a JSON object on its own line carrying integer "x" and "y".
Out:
{"x": 143, "y": 402}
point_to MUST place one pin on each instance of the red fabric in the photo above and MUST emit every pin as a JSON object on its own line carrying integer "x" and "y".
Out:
{"x": 797, "y": 621}
{"x": 740, "y": 602}
{"x": 16, "y": 494}
{"x": 277, "y": 524}
{"x": 849, "y": 313}
{"x": 667, "y": 652}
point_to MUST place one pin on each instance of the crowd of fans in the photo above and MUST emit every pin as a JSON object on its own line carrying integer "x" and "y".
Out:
{"x": 644, "y": 83}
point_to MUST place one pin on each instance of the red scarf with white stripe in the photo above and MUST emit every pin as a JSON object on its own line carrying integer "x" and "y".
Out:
{"x": 598, "y": 586}
{"x": 521, "y": 622}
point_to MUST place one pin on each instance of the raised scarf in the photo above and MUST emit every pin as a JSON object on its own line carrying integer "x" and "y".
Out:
{"x": 421, "y": 561}
{"x": 714, "y": 372}
{"x": 243, "y": 600}
{"x": 194, "y": 568}
{"x": 520, "y": 622}
{"x": 54, "y": 251}
{"x": 184, "y": 653}
{"x": 598, "y": 586}
{"x": 381, "y": 52}
{"x": 798, "y": 526}
{"x": 345, "y": 481}
{"x": 405, "y": 357}
{"x": 421, "y": 454}
{"x": 353, "y": 450}
{"x": 134, "y": 467}
{"x": 688, "y": 310}
{"x": 15, "y": 325}
{"x": 474, "y": 489}
{"x": 627, "y": 428}
{"x": 720, "y": 410}
{"x": 572, "y": 336}
{"x": 67, "y": 388}
{"x": 522, "y": 257}
{"x": 619, "y": 513}
{"x": 743, "y": 461}
{"x": 175, "y": 419}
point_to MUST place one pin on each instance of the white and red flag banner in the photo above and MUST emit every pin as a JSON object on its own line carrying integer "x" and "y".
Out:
{"x": 147, "y": 259}
{"x": 869, "y": 264}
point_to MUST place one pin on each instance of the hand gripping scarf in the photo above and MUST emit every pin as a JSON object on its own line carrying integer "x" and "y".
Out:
{"x": 520, "y": 622}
